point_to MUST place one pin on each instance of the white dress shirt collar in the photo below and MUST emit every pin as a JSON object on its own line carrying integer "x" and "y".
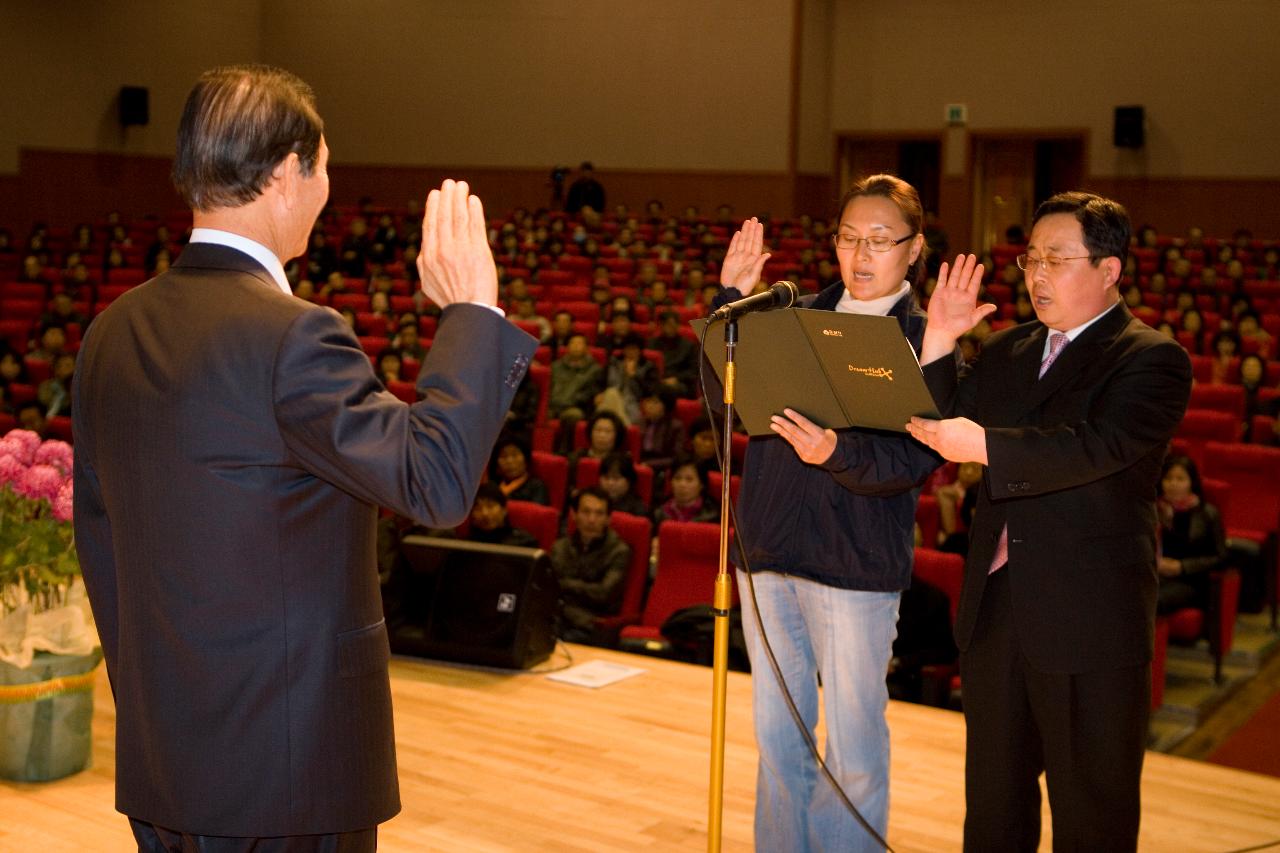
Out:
{"x": 1072, "y": 334}
{"x": 252, "y": 248}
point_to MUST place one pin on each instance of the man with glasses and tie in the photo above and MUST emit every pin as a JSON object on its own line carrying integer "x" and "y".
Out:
{"x": 1071, "y": 415}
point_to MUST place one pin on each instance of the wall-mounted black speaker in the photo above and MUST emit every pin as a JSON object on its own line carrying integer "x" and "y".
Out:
{"x": 471, "y": 602}
{"x": 1130, "y": 127}
{"x": 135, "y": 105}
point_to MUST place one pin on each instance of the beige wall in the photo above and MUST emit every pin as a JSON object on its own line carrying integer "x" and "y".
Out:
{"x": 1207, "y": 74}
{"x": 816, "y": 149}
{"x": 661, "y": 84}
{"x": 691, "y": 98}
{"x": 63, "y": 64}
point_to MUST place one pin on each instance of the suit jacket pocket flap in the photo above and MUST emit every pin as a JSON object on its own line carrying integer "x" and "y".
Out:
{"x": 363, "y": 650}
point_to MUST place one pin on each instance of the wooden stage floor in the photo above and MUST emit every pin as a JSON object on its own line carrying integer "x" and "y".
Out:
{"x": 514, "y": 762}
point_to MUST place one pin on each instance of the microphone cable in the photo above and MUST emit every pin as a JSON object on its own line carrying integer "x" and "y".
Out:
{"x": 801, "y": 726}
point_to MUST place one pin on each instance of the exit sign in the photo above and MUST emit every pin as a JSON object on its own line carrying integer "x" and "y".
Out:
{"x": 957, "y": 114}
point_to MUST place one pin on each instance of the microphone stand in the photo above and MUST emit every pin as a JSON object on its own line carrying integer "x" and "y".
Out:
{"x": 722, "y": 602}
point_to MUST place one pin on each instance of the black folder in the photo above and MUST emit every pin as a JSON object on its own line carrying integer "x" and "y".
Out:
{"x": 838, "y": 370}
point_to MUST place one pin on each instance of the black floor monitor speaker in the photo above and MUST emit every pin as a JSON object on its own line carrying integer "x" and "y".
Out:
{"x": 472, "y": 602}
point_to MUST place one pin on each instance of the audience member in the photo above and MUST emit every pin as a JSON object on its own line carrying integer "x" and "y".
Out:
{"x": 703, "y": 446}
{"x": 1252, "y": 336}
{"x": 679, "y": 355}
{"x": 690, "y": 495}
{"x": 661, "y": 432}
{"x": 489, "y": 522}
{"x": 606, "y": 433}
{"x": 55, "y": 392}
{"x": 956, "y": 501}
{"x": 1191, "y": 541}
{"x": 34, "y": 272}
{"x": 617, "y": 330}
{"x": 79, "y": 284}
{"x": 924, "y": 639}
{"x": 511, "y": 468}
{"x": 407, "y": 343}
{"x": 523, "y": 311}
{"x": 628, "y": 379}
{"x": 12, "y": 369}
{"x": 31, "y": 415}
{"x": 591, "y": 565}
{"x": 523, "y": 413}
{"x": 618, "y": 480}
{"x": 1193, "y": 326}
{"x": 585, "y": 192}
{"x": 1253, "y": 375}
{"x": 51, "y": 344}
{"x": 1226, "y": 347}
{"x": 576, "y": 378}
{"x": 62, "y": 311}
{"x": 561, "y": 329}
{"x": 389, "y": 367}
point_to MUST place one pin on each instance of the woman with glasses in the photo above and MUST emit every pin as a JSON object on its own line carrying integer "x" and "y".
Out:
{"x": 826, "y": 524}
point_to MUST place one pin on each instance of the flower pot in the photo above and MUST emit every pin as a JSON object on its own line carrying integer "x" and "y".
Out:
{"x": 46, "y": 711}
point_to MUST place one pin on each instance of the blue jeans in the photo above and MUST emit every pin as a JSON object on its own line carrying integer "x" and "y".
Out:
{"x": 846, "y": 638}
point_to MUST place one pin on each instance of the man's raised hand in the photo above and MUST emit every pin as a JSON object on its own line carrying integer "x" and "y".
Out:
{"x": 953, "y": 307}
{"x": 455, "y": 262}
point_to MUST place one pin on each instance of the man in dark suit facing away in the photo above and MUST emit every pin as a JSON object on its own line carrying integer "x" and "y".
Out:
{"x": 1072, "y": 416}
{"x": 232, "y": 448}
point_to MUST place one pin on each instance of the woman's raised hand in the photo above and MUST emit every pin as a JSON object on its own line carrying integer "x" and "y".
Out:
{"x": 744, "y": 262}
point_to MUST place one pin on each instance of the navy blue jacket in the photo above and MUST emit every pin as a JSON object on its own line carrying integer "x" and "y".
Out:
{"x": 849, "y": 522}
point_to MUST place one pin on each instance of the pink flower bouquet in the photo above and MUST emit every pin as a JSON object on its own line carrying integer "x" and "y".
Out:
{"x": 37, "y": 552}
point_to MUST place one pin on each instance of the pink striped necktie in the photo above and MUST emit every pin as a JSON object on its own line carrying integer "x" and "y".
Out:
{"x": 1057, "y": 342}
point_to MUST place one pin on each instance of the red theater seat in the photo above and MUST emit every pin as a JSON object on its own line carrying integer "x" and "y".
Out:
{"x": 553, "y": 470}
{"x": 688, "y": 559}
{"x": 542, "y": 521}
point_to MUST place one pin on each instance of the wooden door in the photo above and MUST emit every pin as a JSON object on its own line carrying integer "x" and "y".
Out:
{"x": 1004, "y": 187}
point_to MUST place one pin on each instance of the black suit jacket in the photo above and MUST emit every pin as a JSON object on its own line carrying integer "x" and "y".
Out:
{"x": 232, "y": 447}
{"x": 1074, "y": 463}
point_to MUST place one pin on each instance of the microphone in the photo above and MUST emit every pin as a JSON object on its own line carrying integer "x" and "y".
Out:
{"x": 782, "y": 294}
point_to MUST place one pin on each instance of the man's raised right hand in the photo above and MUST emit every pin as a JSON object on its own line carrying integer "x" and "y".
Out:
{"x": 953, "y": 307}
{"x": 455, "y": 262}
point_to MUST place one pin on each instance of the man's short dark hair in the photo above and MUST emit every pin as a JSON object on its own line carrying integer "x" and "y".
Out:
{"x": 490, "y": 491}
{"x": 594, "y": 491}
{"x": 1105, "y": 223}
{"x": 238, "y": 123}
{"x": 619, "y": 462}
